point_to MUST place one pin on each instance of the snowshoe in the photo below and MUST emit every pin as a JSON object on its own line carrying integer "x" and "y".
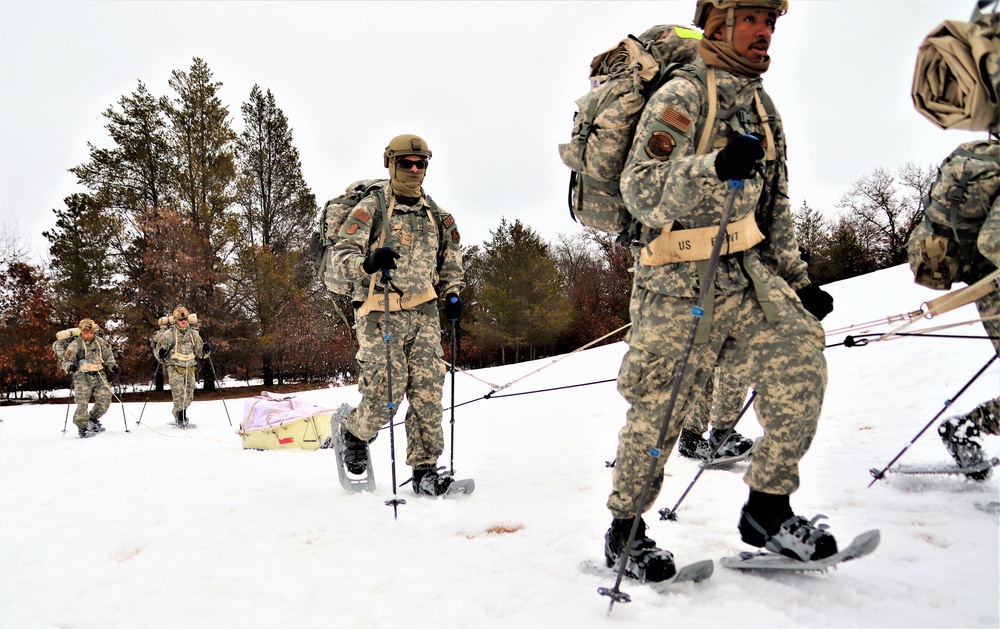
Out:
{"x": 862, "y": 545}
{"x": 735, "y": 446}
{"x": 86, "y": 432}
{"x": 354, "y": 463}
{"x": 691, "y": 445}
{"x": 962, "y": 440}
{"x": 796, "y": 537}
{"x": 430, "y": 483}
{"x": 95, "y": 426}
{"x": 644, "y": 561}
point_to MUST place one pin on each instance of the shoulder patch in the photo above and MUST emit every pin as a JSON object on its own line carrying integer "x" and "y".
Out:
{"x": 661, "y": 144}
{"x": 454, "y": 235}
{"x": 449, "y": 221}
{"x": 676, "y": 119}
{"x": 350, "y": 229}
{"x": 361, "y": 215}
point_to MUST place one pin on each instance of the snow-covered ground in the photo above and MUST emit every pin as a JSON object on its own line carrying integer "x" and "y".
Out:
{"x": 160, "y": 528}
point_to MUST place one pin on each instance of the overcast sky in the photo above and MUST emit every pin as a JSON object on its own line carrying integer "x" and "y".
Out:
{"x": 489, "y": 85}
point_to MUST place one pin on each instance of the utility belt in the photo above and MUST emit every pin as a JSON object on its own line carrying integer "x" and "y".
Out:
{"x": 178, "y": 356}
{"x": 91, "y": 367}
{"x": 693, "y": 245}
{"x": 406, "y": 301}
{"x": 184, "y": 370}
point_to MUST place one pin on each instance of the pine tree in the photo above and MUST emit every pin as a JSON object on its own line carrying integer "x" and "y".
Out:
{"x": 812, "y": 231}
{"x": 81, "y": 260}
{"x": 276, "y": 218}
{"x": 523, "y": 302}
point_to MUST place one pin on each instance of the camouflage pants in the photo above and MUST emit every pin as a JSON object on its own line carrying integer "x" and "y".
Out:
{"x": 182, "y": 381}
{"x": 719, "y": 404}
{"x": 87, "y": 384}
{"x": 782, "y": 360}
{"x": 987, "y": 414}
{"x": 417, "y": 372}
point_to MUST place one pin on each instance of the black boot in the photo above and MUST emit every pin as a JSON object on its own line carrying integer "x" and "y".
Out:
{"x": 427, "y": 482}
{"x": 691, "y": 445}
{"x": 735, "y": 445}
{"x": 355, "y": 452}
{"x": 767, "y": 521}
{"x": 645, "y": 561}
{"x": 962, "y": 438}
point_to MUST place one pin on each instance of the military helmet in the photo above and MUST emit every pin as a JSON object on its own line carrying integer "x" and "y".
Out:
{"x": 405, "y": 145}
{"x": 702, "y": 7}
{"x": 87, "y": 324}
{"x": 180, "y": 313}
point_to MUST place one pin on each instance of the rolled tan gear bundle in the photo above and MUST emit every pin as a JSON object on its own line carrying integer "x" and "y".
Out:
{"x": 957, "y": 72}
{"x": 192, "y": 319}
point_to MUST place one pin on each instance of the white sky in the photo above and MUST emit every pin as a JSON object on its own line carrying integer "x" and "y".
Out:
{"x": 489, "y": 85}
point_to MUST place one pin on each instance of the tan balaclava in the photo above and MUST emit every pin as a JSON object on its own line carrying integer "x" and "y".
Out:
{"x": 405, "y": 183}
{"x": 721, "y": 54}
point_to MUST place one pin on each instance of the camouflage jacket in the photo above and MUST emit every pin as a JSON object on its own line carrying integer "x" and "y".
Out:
{"x": 183, "y": 346}
{"x": 91, "y": 356}
{"x": 430, "y": 255}
{"x": 665, "y": 181}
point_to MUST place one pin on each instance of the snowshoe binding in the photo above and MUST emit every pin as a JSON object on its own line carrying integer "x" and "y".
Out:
{"x": 95, "y": 426}
{"x": 962, "y": 439}
{"x": 430, "y": 483}
{"x": 736, "y": 445}
{"x": 691, "y": 445}
{"x": 644, "y": 561}
{"x": 767, "y": 522}
{"x": 354, "y": 463}
{"x": 86, "y": 433}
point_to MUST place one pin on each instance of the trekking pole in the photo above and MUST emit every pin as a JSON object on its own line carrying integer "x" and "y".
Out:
{"x": 947, "y": 404}
{"x": 671, "y": 514}
{"x": 69, "y": 402}
{"x": 454, "y": 352}
{"x": 152, "y": 383}
{"x": 697, "y": 312}
{"x": 387, "y": 337}
{"x": 114, "y": 395}
{"x": 219, "y": 385}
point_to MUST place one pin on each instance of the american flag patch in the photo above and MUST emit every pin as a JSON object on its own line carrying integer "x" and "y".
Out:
{"x": 361, "y": 215}
{"x": 676, "y": 119}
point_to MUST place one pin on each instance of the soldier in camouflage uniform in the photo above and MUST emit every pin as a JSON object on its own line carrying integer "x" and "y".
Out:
{"x": 176, "y": 348}
{"x": 419, "y": 244}
{"x": 958, "y": 238}
{"x": 85, "y": 355}
{"x": 761, "y": 314}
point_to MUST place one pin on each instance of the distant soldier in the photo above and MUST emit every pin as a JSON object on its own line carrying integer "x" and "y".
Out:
{"x": 84, "y": 355}
{"x": 177, "y": 347}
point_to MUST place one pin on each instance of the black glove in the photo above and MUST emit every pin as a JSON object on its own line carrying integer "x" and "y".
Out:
{"x": 115, "y": 369}
{"x": 738, "y": 158}
{"x": 453, "y": 307}
{"x": 382, "y": 259}
{"x": 74, "y": 367}
{"x": 162, "y": 353}
{"x": 817, "y": 301}
{"x": 205, "y": 349}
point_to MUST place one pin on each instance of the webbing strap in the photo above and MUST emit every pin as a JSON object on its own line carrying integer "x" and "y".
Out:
{"x": 765, "y": 121}
{"x": 713, "y": 98}
{"x": 760, "y": 290}
{"x": 704, "y": 330}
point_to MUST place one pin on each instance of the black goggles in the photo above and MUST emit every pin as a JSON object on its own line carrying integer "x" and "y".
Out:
{"x": 406, "y": 163}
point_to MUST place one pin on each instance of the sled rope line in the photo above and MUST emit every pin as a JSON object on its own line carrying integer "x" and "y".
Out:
{"x": 850, "y": 340}
{"x": 549, "y": 364}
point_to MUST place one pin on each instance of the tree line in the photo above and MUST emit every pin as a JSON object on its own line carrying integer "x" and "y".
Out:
{"x": 182, "y": 209}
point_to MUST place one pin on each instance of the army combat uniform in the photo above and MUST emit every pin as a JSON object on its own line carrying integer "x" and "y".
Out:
{"x": 430, "y": 265}
{"x": 91, "y": 358}
{"x": 758, "y": 327}
{"x": 184, "y": 346}
{"x": 958, "y": 239}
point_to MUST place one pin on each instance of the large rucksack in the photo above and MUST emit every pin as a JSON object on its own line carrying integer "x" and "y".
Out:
{"x": 943, "y": 247}
{"x": 622, "y": 80}
{"x": 328, "y": 221}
